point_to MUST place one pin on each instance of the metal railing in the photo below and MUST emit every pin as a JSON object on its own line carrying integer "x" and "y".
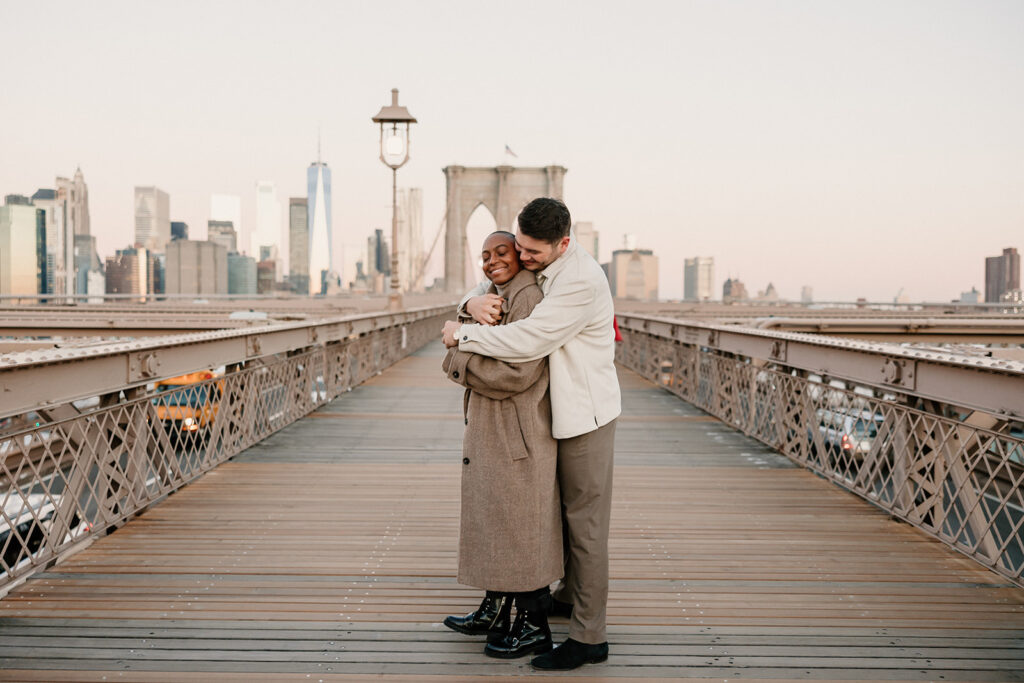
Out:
{"x": 92, "y": 436}
{"x": 934, "y": 439}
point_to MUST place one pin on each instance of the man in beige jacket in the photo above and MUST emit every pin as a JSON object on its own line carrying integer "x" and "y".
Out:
{"x": 572, "y": 326}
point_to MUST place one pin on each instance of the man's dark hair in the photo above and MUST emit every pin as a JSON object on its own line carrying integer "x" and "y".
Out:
{"x": 545, "y": 219}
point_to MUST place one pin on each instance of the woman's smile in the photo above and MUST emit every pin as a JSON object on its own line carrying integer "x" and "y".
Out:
{"x": 499, "y": 258}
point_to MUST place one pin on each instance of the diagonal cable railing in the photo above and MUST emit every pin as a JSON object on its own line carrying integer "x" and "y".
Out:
{"x": 92, "y": 435}
{"x": 935, "y": 439}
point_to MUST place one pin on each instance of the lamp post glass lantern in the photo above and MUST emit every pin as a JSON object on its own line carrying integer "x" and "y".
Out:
{"x": 394, "y": 123}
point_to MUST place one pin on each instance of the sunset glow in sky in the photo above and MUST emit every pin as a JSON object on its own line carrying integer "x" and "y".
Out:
{"x": 859, "y": 147}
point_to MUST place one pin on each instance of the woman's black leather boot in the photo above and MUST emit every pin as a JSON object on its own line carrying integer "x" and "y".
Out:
{"x": 529, "y": 632}
{"x": 491, "y": 618}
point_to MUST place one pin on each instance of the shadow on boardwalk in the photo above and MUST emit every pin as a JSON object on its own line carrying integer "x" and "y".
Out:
{"x": 328, "y": 552}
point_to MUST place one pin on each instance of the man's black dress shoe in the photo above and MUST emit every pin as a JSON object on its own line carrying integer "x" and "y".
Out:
{"x": 571, "y": 654}
{"x": 491, "y": 618}
{"x": 560, "y": 609}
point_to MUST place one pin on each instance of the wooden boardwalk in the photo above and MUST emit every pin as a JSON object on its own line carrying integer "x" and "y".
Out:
{"x": 328, "y": 552}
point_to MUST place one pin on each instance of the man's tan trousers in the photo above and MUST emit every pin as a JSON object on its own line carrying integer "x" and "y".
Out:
{"x": 585, "y": 478}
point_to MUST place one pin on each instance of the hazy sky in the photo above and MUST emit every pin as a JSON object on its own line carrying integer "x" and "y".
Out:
{"x": 859, "y": 147}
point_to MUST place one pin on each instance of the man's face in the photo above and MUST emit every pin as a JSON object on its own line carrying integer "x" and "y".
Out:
{"x": 535, "y": 254}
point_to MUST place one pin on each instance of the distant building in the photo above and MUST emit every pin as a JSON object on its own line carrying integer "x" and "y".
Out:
{"x": 96, "y": 286}
{"x": 734, "y": 290}
{"x": 87, "y": 264}
{"x": 152, "y": 218}
{"x": 698, "y": 278}
{"x": 806, "y": 294}
{"x": 265, "y": 271}
{"x": 1014, "y": 296}
{"x": 17, "y": 200}
{"x": 157, "y": 273}
{"x": 241, "y": 274}
{"x": 78, "y": 204}
{"x": 128, "y": 272}
{"x": 22, "y": 249}
{"x": 1002, "y": 274}
{"x": 223, "y": 233}
{"x": 179, "y": 230}
{"x": 227, "y": 208}
{"x": 587, "y": 237}
{"x": 381, "y": 253}
{"x": 971, "y": 297}
{"x": 66, "y": 211}
{"x": 633, "y": 274}
{"x": 46, "y": 199}
{"x": 268, "y": 223}
{"x": 195, "y": 267}
{"x": 768, "y": 294}
{"x": 298, "y": 245}
{"x": 321, "y": 234}
{"x": 410, "y": 239}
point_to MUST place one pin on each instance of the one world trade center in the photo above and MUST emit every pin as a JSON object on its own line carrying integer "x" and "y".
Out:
{"x": 321, "y": 236}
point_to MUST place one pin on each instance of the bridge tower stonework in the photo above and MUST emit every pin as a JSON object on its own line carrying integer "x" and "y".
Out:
{"x": 503, "y": 190}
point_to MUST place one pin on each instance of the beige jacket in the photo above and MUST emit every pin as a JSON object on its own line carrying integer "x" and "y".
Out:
{"x": 510, "y": 532}
{"x": 572, "y": 326}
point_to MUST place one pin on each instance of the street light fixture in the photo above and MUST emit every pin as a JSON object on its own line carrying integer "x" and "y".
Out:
{"x": 394, "y": 123}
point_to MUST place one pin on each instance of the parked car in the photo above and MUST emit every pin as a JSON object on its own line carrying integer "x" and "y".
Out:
{"x": 848, "y": 431}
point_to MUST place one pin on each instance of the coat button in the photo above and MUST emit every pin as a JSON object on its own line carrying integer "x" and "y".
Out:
{"x": 466, "y": 338}
{"x": 455, "y": 374}
{"x": 465, "y": 461}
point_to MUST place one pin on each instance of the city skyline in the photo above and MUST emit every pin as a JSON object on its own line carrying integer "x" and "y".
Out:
{"x": 877, "y": 141}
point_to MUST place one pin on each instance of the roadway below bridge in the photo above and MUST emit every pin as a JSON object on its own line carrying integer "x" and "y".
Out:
{"x": 328, "y": 552}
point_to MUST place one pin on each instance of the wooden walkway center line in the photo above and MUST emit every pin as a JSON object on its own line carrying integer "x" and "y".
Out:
{"x": 328, "y": 552}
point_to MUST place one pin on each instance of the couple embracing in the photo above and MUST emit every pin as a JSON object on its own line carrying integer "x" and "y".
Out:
{"x": 535, "y": 348}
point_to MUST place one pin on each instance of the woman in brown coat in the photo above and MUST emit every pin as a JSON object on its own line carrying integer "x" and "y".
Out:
{"x": 510, "y": 540}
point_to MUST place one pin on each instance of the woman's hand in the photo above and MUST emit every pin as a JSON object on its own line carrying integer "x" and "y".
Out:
{"x": 485, "y": 309}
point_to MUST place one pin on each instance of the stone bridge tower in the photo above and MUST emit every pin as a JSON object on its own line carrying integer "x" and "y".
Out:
{"x": 503, "y": 190}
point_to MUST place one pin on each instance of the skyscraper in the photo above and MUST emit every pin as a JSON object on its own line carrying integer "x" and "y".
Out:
{"x": 128, "y": 272}
{"x": 587, "y": 237}
{"x": 298, "y": 244}
{"x": 633, "y": 274}
{"x": 152, "y": 218}
{"x": 67, "y": 215}
{"x": 410, "y": 239}
{"x": 79, "y": 204}
{"x": 179, "y": 230}
{"x": 733, "y": 290}
{"x": 698, "y": 278}
{"x": 241, "y": 274}
{"x": 268, "y": 224}
{"x": 46, "y": 199}
{"x": 228, "y": 208}
{"x": 22, "y": 248}
{"x": 196, "y": 268}
{"x": 223, "y": 233}
{"x": 321, "y": 235}
{"x": 1002, "y": 274}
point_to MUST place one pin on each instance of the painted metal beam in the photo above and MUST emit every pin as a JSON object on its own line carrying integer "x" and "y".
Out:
{"x": 43, "y": 377}
{"x": 991, "y": 385}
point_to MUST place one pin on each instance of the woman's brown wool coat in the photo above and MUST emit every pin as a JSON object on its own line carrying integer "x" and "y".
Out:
{"x": 511, "y": 530}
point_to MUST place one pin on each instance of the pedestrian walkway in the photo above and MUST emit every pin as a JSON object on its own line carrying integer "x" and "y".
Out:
{"x": 328, "y": 552}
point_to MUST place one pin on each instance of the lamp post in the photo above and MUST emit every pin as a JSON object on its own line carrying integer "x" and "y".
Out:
{"x": 394, "y": 123}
